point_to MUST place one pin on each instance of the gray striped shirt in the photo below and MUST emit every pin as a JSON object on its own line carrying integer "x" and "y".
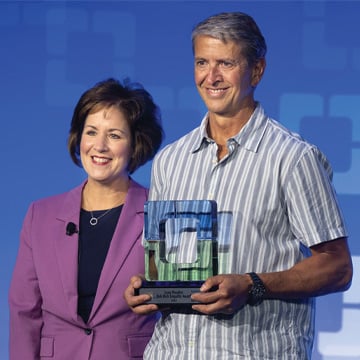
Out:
{"x": 275, "y": 200}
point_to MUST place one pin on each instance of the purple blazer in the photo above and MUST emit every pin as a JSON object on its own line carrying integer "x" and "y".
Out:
{"x": 43, "y": 290}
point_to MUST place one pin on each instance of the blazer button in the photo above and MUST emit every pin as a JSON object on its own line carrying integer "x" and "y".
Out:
{"x": 88, "y": 331}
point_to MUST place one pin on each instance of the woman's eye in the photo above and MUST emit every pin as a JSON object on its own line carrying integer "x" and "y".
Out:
{"x": 90, "y": 132}
{"x": 114, "y": 136}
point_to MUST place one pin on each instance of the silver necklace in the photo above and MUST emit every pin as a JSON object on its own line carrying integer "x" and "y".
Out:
{"x": 94, "y": 220}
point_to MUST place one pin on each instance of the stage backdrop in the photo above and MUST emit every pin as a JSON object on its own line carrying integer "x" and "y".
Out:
{"x": 52, "y": 51}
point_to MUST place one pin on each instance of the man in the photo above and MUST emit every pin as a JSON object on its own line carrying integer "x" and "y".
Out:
{"x": 287, "y": 241}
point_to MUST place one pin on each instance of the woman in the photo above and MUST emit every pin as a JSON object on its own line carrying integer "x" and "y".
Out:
{"x": 78, "y": 249}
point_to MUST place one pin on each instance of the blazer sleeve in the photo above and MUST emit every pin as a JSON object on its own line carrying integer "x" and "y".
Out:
{"x": 25, "y": 299}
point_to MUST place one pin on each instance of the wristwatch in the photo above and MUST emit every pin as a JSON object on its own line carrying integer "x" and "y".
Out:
{"x": 257, "y": 291}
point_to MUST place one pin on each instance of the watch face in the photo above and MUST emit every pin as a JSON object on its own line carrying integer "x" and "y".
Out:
{"x": 257, "y": 292}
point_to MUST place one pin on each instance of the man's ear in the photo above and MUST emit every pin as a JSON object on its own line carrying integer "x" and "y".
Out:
{"x": 258, "y": 72}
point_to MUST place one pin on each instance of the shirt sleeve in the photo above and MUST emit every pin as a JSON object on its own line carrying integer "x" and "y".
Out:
{"x": 314, "y": 213}
{"x": 157, "y": 177}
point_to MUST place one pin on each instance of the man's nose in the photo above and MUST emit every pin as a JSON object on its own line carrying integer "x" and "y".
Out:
{"x": 214, "y": 74}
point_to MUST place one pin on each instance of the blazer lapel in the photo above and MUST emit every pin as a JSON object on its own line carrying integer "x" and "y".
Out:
{"x": 127, "y": 232}
{"x": 66, "y": 247}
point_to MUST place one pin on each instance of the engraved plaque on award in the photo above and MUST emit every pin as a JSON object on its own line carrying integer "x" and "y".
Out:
{"x": 180, "y": 249}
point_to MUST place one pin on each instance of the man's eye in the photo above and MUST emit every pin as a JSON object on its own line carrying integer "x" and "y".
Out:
{"x": 201, "y": 63}
{"x": 227, "y": 64}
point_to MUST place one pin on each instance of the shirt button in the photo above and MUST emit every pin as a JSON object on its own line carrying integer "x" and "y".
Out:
{"x": 88, "y": 331}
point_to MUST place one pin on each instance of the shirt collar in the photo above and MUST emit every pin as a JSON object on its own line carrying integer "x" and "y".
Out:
{"x": 248, "y": 137}
{"x": 251, "y": 134}
{"x": 203, "y": 139}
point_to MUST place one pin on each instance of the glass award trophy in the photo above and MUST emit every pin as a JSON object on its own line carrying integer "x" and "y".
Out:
{"x": 180, "y": 240}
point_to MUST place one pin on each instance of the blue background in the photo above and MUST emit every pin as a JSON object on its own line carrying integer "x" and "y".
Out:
{"x": 52, "y": 51}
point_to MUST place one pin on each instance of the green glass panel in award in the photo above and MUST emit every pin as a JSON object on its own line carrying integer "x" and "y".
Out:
{"x": 181, "y": 249}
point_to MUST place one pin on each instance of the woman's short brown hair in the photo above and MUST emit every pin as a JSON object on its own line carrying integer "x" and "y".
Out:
{"x": 142, "y": 114}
